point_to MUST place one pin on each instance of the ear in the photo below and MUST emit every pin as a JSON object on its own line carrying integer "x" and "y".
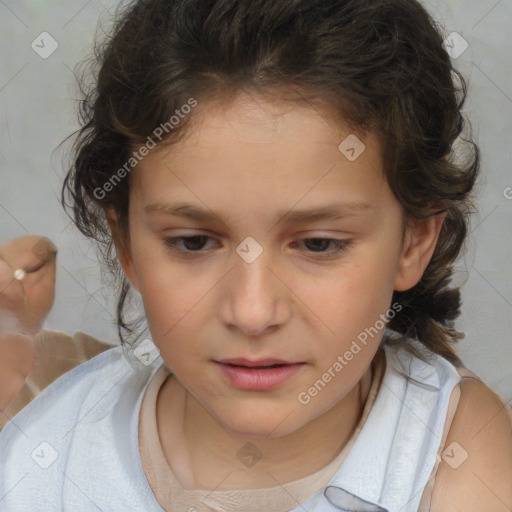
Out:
{"x": 420, "y": 242}
{"x": 123, "y": 252}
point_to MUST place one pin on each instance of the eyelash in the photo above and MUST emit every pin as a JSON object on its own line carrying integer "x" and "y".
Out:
{"x": 171, "y": 243}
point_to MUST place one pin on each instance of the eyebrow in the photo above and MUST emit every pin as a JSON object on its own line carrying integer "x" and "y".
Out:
{"x": 329, "y": 212}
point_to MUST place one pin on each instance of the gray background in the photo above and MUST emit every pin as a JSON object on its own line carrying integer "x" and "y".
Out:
{"x": 38, "y": 110}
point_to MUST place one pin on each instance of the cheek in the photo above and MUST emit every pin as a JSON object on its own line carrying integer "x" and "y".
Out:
{"x": 175, "y": 304}
{"x": 170, "y": 302}
{"x": 173, "y": 321}
{"x": 160, "y": 284}
{"x": 352, "y": 299}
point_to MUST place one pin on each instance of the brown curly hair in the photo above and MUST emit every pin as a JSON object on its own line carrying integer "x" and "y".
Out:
{"x": 378, "y": 64}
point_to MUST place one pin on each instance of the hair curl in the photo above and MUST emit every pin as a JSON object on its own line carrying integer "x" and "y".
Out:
{"x": 378, "y": 64}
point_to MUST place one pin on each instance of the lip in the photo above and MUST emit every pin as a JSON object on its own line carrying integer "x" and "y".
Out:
{"x": 248, "y": 376}
{"x": 242, "y": 361}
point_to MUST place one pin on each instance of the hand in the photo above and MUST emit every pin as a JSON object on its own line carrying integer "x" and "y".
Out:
{"x": 16, "y": 363}
{"x": 27, "y": 283}
{"x": 27, "y": 293}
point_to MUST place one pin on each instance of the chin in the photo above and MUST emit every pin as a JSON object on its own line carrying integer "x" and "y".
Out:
{"x": 266, "y": 425}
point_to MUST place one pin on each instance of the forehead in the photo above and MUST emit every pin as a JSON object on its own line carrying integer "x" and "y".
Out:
{"x": 274, "y": 151}
{"x": 249, "y": 117}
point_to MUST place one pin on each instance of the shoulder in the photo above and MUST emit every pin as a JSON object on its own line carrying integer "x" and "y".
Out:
{"x": 61, "y": 402}
{"x": 475, "y": 473}
{"x": 55, "y": 353}
{"x": 87, "y": 418}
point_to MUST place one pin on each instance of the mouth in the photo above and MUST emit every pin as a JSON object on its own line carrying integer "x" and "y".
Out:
{"x": 259, "y": 363}
{"x": 257, "y": 375}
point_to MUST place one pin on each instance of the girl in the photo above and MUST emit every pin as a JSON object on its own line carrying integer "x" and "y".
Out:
{"x": 278, "y": 182}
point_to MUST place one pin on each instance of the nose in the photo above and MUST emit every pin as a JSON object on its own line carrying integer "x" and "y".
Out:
{"x": 256, "y": 301}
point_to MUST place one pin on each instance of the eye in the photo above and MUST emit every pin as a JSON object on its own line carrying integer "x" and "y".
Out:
{"x": 320, "y": 244}
{"x": 192, "y": 244}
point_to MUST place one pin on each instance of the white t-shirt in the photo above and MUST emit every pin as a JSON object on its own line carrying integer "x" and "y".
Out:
{"x": 75, "y": 447}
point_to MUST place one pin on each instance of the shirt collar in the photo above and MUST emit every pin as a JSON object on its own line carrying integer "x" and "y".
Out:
{"x": 347, "y": 502}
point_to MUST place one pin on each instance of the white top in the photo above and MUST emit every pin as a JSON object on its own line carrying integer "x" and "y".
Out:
{"x": 75, "y": 447}
{"x": 275, "y": 497}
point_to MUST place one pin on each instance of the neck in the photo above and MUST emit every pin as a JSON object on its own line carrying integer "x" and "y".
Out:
{"x": 202, "y": 453}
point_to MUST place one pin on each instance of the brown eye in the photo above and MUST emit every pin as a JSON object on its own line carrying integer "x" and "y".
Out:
{"x": 318, "y": 244}
{"x": 321, "y": 245}
{"x": 191, "y": 244}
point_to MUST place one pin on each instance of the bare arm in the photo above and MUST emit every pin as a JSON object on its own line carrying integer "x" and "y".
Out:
{"x": 478, "y": 478}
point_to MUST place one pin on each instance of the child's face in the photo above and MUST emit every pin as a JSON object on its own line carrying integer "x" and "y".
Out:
{"x": 298, "y": 301}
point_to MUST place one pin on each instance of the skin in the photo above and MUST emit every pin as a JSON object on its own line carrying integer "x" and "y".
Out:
{"x": 246, "y": 160}
{"x": 24, "y": 304}
{"x": 482, "y": 428}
